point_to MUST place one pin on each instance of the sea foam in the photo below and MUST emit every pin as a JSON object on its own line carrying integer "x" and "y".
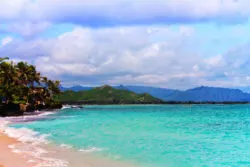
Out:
{"x": 90, "y": 150}
{"x": 65, "y": 146}
{"x": 29, "y": 118}
{"x": 31, "y": 143}
{"x": 26, "y": 135}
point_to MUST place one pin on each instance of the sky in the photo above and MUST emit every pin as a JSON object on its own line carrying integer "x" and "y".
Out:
{"x": 177, "y": 44}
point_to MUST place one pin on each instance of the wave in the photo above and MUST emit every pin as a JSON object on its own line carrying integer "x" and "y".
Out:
{"x": 31, "y": 143}
{"x": 26, "y": 135}
{"x": 29, "y": 118}
{"x": 91, "y": 149}
{"x": 3, "y": 124}
{"x": 66, "y": 146}
{"x": 65, "y": 107}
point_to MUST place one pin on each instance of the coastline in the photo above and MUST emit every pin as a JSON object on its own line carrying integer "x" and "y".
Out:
{"x": 72, "y": 103}
{"x": 23, "y": 148}
{"x": 74, "y": 159}
{"x": 9, "y": 158}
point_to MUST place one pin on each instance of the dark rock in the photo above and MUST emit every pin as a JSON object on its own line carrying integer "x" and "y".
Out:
{"x": 7, "y": 110}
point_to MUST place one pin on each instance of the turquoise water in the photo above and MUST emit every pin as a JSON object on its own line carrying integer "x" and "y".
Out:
{"x": 156, "y": 135}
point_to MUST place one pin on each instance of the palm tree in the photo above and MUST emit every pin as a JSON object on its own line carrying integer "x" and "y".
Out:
{"x": 21, "y": 83}
{"x": 4, "y": 58}
{"x": 9, "y": 80}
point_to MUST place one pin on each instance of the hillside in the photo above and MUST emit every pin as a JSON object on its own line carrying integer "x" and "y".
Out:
{"x": 199, "y": 94}
{"x": 160, "y": 93}
{"x": 107, "y": 95}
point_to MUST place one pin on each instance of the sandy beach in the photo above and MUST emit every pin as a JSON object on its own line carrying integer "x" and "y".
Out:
{"x": 23, "y": 148}
{"x": 15, "y": 153}
{"x": 74, "y": 159}
{"x": 9, "y": 158}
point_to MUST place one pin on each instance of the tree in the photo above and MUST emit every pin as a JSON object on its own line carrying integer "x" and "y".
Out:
{"x": 20, "y": 83}
{"x": 2, "y": 59}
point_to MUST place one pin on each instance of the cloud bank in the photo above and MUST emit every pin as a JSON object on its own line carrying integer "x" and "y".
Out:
{"x": 125, "y": 12}
{"x": 155, "y": 55}
{"x": 129, "y": 42}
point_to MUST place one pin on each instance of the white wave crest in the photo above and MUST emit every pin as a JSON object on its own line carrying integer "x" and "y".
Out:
{"x": 3, "y": 124}
{"x": 91, "y": 149}
{"x": 28, "y": 118}
{"x": 65, "y": 146}
{"x": 31, "y": 143}
{"x": 65, "y": 107}
{"x": 26, "y": 135}
{"x": 37, "y": 155}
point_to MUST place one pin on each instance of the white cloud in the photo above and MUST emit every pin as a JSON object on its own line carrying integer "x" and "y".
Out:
{"x": 125, "y": 11}
{"x": 186, "y": 30}
{"x": 6, "y": 40}
{"x": 130, "y": 55}
{"x": 248, "y": 78}
{"x": 12, "y": 9}
{"x": 86, "y": 52}
{"x": 26, "y": 29}
{"x": 215, "y": 61}
{"x": 230, "y": 69}
{"x": 196, "y": 67}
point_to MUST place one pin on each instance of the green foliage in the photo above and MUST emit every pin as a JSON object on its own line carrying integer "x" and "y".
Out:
{"x": 20, "y": 83}
{"x": 106, "y": 94}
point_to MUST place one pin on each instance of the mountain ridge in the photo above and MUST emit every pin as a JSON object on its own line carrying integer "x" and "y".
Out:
{"x": 213, "y": 94}
{"x": 197, "y": 94}
{"x": 107, "y": 95}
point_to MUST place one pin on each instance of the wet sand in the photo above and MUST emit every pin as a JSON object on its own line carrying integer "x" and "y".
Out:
{"x": 83, "y": 159}
{"x": 14, "y": 152}
{"x": 74, "y": 158}
{"x": 7, "y": 157}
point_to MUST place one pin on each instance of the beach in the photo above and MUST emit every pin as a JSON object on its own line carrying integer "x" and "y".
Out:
{"x": 9, "y": 158}
{"x": 74, "y": 159}
{"x": 23, "y": 148}
{"x": 131, "y": 135}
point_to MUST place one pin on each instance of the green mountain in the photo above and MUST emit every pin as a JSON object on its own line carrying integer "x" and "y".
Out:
{"x": 106, "y": 95}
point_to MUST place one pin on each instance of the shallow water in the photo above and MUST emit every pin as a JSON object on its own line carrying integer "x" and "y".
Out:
{"x": 154, "y": 135}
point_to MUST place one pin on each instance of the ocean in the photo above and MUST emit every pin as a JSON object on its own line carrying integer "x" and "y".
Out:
{"x": 148, "y": 135}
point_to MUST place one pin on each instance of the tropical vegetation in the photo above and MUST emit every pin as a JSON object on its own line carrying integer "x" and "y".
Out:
{"x": 106, "y": 95}
{"x": 23, "y": 88}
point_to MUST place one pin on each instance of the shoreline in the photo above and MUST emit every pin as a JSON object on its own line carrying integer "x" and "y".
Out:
{"x": 22, "y": 148}
{"x": 163, "y": 103}
{"x": 8, "y": 158}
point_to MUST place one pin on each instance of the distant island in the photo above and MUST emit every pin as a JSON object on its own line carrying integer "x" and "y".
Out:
{"x": 147, "y": 95}
{"x": 199, "y": 95}
{"x": 106, "y": 95}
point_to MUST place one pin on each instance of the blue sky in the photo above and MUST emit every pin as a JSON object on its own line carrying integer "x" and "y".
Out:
{"x": 176, "y": 44}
